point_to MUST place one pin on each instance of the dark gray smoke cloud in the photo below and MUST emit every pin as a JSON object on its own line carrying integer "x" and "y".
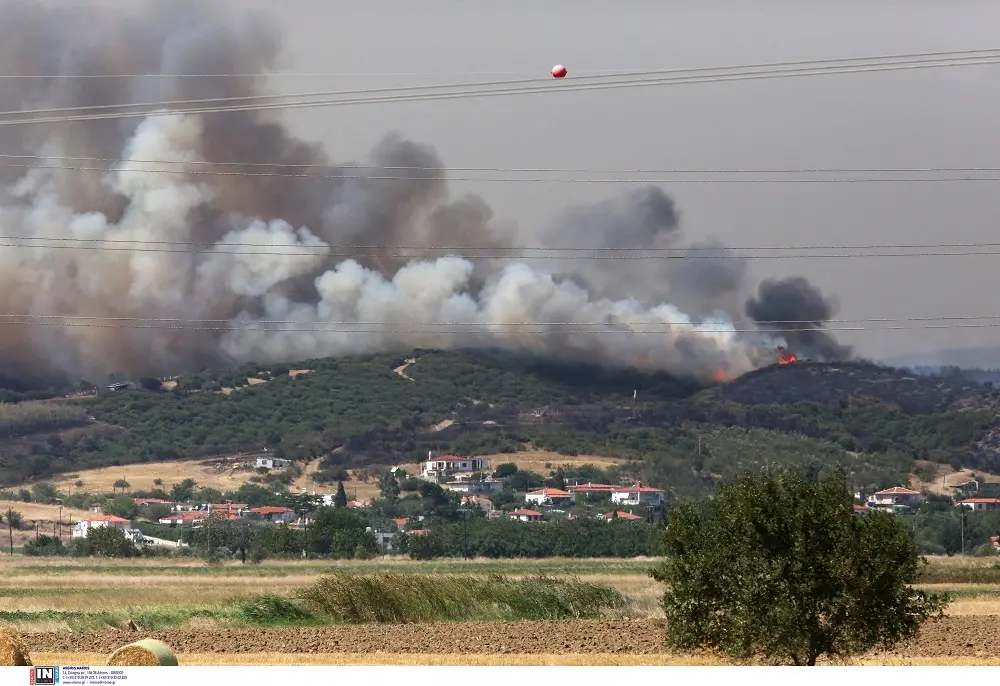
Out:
{"x": 798, "y": 306}
{"x": 389, "y": 293}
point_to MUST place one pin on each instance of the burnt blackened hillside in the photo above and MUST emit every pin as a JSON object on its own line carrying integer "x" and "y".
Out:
{"x": 829, "y": 383}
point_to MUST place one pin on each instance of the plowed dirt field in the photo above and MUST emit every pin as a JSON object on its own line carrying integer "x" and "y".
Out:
{"x": 968, "y": 636}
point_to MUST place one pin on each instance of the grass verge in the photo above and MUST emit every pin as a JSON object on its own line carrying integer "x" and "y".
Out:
{"x": 409, "y": 598}
{"x": 257, "y": 611}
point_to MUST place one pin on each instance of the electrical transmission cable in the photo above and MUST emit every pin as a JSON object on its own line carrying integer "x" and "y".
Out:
{"x": 897, "y": 324}
{"x": 425, "y": 177}
{"x": 521, "y": 87}
{"x": 350, "y": 252}
{"x": 515, "y": 170}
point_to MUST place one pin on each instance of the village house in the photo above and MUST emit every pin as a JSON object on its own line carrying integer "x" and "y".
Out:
{"x": 981, "y": 504}
{"x": 272, "y": 463}
{"x": 619, "y": 514}
{"x": 639, "y": 495}
{"x": 443, "y": 468}
{"x": 465, "y": 485}
{"x": 94, "y": 521}
{"x": 527, "y": 515}
{"x": 227, "y": 509}
{"x": 277, "y": 515}
{"x": 548, "y": 496}
{"x": 184, "y": 518}
{"x": 894, "y": 499}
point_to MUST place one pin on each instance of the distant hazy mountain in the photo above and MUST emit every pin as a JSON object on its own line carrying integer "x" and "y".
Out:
{"x": 981, "y": 358}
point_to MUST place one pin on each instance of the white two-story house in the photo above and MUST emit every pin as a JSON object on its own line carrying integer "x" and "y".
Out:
{"x": 443, "y": 468}
{"x": 639, "y": 495}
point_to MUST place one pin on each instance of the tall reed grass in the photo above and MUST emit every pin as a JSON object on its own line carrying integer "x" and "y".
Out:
{"x": 407, "y": 598}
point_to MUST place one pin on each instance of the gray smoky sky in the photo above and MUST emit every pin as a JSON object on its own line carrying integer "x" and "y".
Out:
{"x": 818, "y": 122}
{"x": 924, "y": 118}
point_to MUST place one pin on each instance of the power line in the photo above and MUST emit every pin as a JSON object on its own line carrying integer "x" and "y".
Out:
{"x": 960, "y": 56}
{"x": 736, "y": 322}
{"x": 548, "y": 88}
{"x": 576, "y": 70}
{"x": 519, "y": 170}
{"x": 367, "y": 177}
{"x": 494, "y": 331}
{"x": 323, "y": 251}
{"x": 627, "y": 249}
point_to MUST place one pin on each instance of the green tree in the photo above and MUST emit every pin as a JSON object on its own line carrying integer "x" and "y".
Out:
{"x": 43, "y": 545}
{"x": 154, "y": 512}
{"x": 388, "y": 486}
{"x": 340, "y": 499}
{"x": 779, "y": 567}
{"x": 44, "y": 492}
{"x": 110, "y": 541}
{"x": 14, "y": 518}
{"x": 183, "y": 491}
{"x": 121, "y": 506}
{"x": 120, "y": 484}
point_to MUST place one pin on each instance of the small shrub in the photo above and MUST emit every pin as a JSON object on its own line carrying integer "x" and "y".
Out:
{"x": 272, "y": 609}
{"x": 408, "y": 598}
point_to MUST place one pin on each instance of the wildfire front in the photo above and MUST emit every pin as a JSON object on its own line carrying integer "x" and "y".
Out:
{"x": 785, "y": 357}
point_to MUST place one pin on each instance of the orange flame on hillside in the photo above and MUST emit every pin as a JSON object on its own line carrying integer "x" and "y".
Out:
{"x": 785, "y": 357}
{"x": 719, "y": 375}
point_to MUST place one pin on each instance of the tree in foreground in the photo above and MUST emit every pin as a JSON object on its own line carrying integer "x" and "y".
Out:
{"x": 780, "y": 569}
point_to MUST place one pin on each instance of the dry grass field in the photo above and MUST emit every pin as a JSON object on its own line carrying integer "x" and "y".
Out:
{"x": 72, "y": 612}
{"x": 143, "y": 477}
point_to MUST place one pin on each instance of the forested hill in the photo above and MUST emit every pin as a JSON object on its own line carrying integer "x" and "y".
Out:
{"x": 391, "y": 409}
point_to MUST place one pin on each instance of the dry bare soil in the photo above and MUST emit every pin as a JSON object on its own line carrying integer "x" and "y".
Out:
{"x": 968, "y": 634}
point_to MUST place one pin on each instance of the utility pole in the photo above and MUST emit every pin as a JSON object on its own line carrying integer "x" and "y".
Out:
{"x": 962, "y": 524}
{"x": 10, "y": 531}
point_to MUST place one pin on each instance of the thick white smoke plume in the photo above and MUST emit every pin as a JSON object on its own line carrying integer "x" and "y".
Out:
{"x": 302, "y": 280}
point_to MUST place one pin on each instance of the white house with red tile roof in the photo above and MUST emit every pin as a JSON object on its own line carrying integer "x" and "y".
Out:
{"x": 860, "y": 509}
{"x": 981, "y": 503}
{"x": 628, "y": 516}
{"x": 442, "y": 468}
{"x": 95, "y": 521}
{"x": 638, "y": 495}
{"x": 275, "y": 514}
{"x": 894, "y": 498}
{"x": 527, "y": 515}
{"x": 548, "y": 496}
{"x": 995, "y": 540}
{"x": 184, "y": 518}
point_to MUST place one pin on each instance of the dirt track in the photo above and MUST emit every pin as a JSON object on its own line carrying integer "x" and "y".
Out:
{"x": 954, "y": 636}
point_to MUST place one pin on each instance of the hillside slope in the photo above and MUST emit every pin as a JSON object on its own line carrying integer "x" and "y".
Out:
{"x": 392, "y": 409}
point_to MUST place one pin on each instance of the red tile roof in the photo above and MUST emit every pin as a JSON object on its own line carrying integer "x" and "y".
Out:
{"x": 525, "y": 513}
{"x": 981, "y": 501}
{"x": 111, "y": 519}
{"x": 638, "y": 488}
{"x": 270, "y": 509}
{"x": 898, "y": 490}
{"x": 592, "y": 487}
{"x": 621, "y": 515}
{"x": 551, "y": 493}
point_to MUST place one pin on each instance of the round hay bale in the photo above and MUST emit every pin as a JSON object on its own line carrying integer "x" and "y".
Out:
{"x": 145, "y": 653}
{"x": 13, "y": 652}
